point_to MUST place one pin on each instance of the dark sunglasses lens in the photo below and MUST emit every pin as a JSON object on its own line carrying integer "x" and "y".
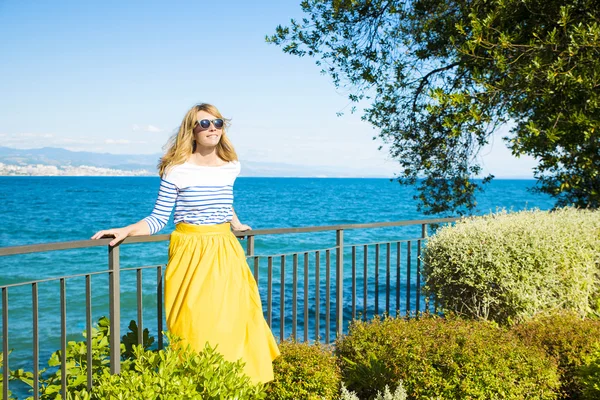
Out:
{"x": 204, "y": 123}
{"x": 218, "y": 123}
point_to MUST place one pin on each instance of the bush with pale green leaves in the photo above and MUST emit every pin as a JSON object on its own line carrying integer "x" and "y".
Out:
{"x": 399, "y": 394}
{"x": 508, "y": 267}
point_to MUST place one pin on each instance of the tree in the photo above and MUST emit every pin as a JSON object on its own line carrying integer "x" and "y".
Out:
{"x": 442, "y": 76}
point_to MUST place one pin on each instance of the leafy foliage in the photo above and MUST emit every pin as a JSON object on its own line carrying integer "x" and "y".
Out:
{"x": 178, "y": 373}
{"x": 171, "y": 373}
{"x": 304, "y": 371}
{"x": 442, "y": 76}
{"x": 130, "y": 340}
{"x": 508, "y": 267}
{"x": 76, "y": 365}
{"x": 589, "y": 376}
{"x": 399, "y": 394}
{"x": 2, "y": 378}
{"x": 571, "y": 341}
{"x": 444, "y": 359}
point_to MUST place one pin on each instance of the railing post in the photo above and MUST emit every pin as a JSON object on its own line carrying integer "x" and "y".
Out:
{"x": 114, "y": 292}
{"x": 339, "y": 276}
{"x": 159, "y": 305}
{"x": 5, "y": 369}
{"x": 250, "y": 246}
{"x": 424, "y": 236}
{"x": 36, "y": 341}
{"x": 63, "y": 337}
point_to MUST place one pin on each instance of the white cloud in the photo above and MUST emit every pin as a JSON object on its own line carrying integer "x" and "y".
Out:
{"x": 117, "y": 141}
{"x": 122, "y": 145}
{"x": 28, "y": 135}
{"x": 154, "y": 129}
{"x": 35, "y": 140}
{"x": 75, "y": 141}
{"x": 146, "y": 128}
{"x": 123, "y": 141}
{"x": 93, "y": 149}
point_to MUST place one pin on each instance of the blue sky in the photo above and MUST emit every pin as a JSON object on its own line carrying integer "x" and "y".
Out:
{"x": 118, "y": 76}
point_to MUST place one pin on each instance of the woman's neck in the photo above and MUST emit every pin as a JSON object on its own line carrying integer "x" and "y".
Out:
{"x": 205, "y": 156}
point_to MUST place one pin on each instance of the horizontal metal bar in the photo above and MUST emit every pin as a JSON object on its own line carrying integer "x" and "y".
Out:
{"x": 386, "y": 242}
{"x": 76, "y": 276}
{"x": 54, "y": 279}
{"x": 143, "y": 267}
{"x": 279, "y": 231}
{"x": 78, "y": 244}
{"x": 290, "y": 254}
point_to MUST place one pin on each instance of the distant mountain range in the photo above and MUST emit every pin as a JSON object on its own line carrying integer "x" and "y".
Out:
{"x": 58, "y": 157}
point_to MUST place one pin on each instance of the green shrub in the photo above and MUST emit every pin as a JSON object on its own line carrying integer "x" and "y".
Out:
{"x": 439, "y": 358}
{"x": 399, "y": 394}
{"x": 566, "y": 337}
{"x": 2, "y": 377}
{"x": 177, "y": 373}
{"x": 589, "y": 376}
{"x": 173, "y": 373}
{"x": 130, "y": 340}
{"x": 509, "y": 267}
{"x": 76, "y": 365}
{"x": 304, "y": 371}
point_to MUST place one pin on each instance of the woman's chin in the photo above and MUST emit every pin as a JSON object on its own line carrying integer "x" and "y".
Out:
{"x": 209, "y": 144}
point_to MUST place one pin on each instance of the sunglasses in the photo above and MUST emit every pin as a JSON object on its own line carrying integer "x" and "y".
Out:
{"x": 205, "y": 123}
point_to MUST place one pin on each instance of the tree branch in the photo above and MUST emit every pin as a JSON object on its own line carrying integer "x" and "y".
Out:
{"x": 425, "y": 79}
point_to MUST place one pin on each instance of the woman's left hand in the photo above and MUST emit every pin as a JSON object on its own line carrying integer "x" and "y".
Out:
{"x": 241, "y": 227}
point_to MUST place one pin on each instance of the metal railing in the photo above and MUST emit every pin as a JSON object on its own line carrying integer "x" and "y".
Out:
{"x": 311, "y": 262}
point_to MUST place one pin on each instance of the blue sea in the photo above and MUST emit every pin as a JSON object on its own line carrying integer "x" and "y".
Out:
{"x": 57, "y": 209}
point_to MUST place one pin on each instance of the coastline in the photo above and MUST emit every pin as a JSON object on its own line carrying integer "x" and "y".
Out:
{"x": 68, "y": 170}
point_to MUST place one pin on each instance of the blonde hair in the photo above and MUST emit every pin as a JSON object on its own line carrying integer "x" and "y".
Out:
{"x": 182, "y": 144}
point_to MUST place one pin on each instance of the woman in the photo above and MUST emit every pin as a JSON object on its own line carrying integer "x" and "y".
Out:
{"x": 210, "y": 293}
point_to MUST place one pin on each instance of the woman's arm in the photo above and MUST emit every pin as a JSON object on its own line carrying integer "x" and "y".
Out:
{"x": 140, "y": 228}
{"x": 236, "y": 225}
{"x": 153, "y": 223}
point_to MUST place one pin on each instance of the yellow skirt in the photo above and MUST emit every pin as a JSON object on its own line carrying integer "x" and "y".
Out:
{"x": 211, "y": 296}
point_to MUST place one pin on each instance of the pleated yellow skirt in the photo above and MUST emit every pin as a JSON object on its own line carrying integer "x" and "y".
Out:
{"x": 211, "y": 296}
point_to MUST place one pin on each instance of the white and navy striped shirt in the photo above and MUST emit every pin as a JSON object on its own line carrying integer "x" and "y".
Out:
{"x": 201, "y": 195}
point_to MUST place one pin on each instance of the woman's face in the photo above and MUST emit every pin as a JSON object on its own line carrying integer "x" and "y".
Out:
{"x": 207, "y": 135}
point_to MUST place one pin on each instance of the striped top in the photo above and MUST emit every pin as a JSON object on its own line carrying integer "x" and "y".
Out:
{"x": 201, "y": 195}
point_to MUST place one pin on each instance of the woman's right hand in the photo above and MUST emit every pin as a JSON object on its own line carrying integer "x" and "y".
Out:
{"x": 118, "y": 233}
